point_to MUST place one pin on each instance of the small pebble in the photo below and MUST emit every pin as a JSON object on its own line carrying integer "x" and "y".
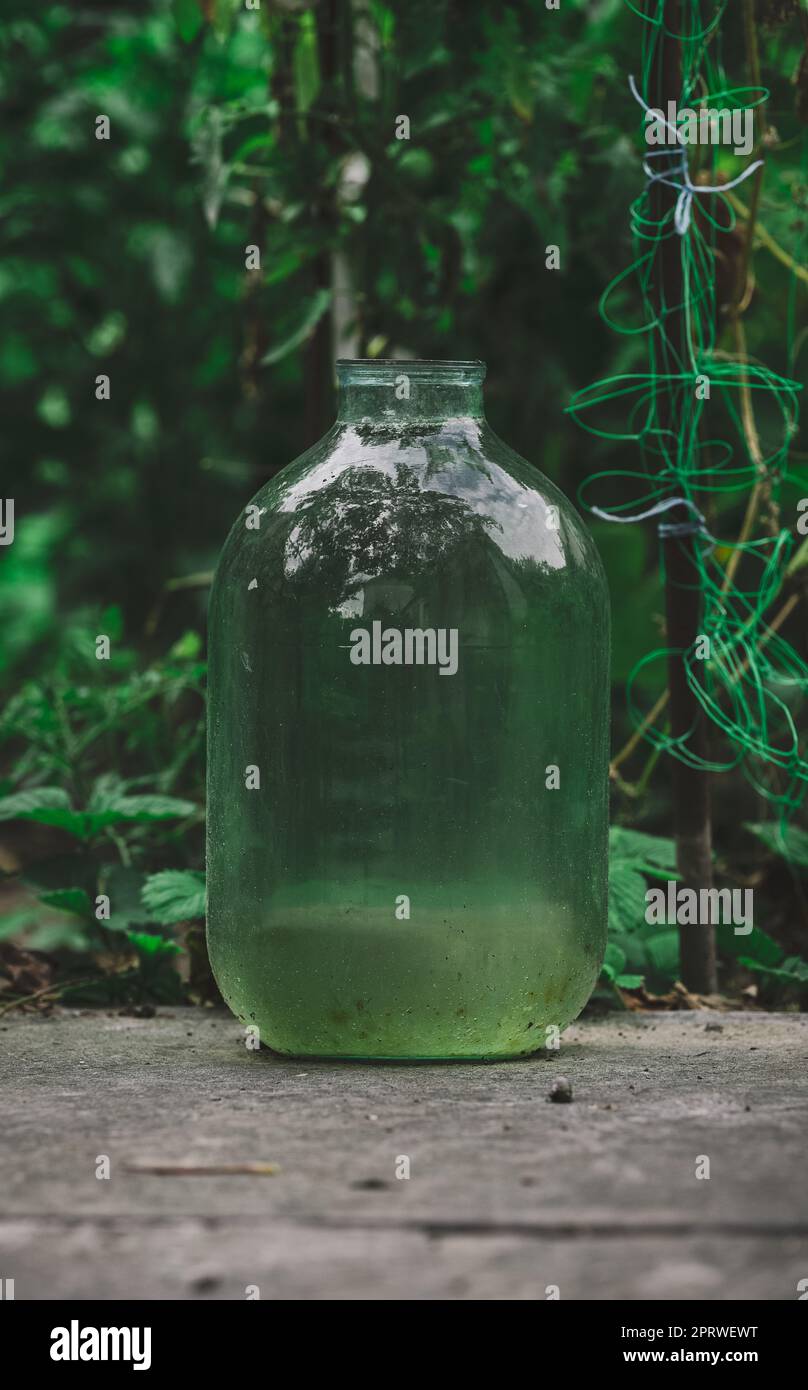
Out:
{"x": 713, "y": 1027}
{"x": 206, "y": 1283}
{"x": 561, "y": 1091}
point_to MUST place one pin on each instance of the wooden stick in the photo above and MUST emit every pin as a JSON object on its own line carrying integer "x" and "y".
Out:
{"x": 204, "y": 1170}
{"x": 683, "y": 598}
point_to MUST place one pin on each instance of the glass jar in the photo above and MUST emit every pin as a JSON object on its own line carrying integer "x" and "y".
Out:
{"x": 407, "y": 761}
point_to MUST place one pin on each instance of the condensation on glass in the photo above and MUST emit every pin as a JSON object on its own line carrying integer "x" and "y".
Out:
{"x": 407, "y": 794}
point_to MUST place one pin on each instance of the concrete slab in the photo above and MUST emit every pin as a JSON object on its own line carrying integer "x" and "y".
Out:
{"x": 507, "y": 1194}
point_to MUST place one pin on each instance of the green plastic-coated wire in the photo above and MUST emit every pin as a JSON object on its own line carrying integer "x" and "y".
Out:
{"x": 747, "y": 678}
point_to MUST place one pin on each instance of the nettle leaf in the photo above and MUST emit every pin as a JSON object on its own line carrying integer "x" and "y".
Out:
{"x": 110, "y": 805}
{"x": 663, "y": 953}
{"x": 637, "y": 846}
{"x": 632, "y": 945}
{"x": 627, "y": 889}
{"x": 107, "y": 789}
{"x": 73, "y": 900}
{"x": 790, "y": 842}
{"x": 48, "y": 805}
{"x": 613, "y": 961}
{"x": 614, "y": 968}
{"x": 148, "y": 808}
{"x": 175, "y": 895}
{"x": 123, "y": 885}
{"x": 51, "y": 806}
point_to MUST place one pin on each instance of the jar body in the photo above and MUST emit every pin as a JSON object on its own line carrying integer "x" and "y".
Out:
{"x": 407, "y": 798}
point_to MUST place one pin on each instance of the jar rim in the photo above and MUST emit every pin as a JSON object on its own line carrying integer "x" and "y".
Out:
{"x": 413, "y": 363}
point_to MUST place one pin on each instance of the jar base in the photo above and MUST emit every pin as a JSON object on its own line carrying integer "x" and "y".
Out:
{"x": 399, "y": 1059}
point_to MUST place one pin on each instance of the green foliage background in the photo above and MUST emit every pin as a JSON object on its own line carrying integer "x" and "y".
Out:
{"x": 276, "y": 127}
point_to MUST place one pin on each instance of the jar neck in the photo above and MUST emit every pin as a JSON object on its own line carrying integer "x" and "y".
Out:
{"x": 399, "y": 391}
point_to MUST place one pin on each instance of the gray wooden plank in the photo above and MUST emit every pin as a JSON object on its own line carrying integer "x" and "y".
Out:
{"x": 504, "y": 1186}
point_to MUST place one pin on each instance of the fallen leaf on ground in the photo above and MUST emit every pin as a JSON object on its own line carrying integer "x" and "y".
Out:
{"x": 678, "y": 997}
{"x": 24, "y": 972}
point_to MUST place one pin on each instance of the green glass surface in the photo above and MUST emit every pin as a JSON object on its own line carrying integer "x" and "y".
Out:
{"x": 408, "y": 881}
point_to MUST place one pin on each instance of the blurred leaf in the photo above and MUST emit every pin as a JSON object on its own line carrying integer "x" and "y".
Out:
{"x": 306, "y": 63}
{"x": 187, "y": 647}
{"x": 69, "y": 933}
{"x": 112, "y": 622}
{"x": 756, "y": 944}
{"x": 167, "y": 254}
{"x": 48, "y": 874}
{"x": 207, "y": 145}
{"x": 790, "y": 843}
{"x": 107, "y": 334}
{"x": 148, "y": 945}
{"x": 793, "y": 970}
{"x": 312, "y": 314}
{"x": 188, "y": 18}
{"x": 54, "y": 408}
{"x": 15, "y": 922}
{"x": 225, "y": 13}
{"x": 73, "y": 900}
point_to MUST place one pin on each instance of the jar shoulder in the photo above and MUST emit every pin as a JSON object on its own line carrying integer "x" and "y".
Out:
{"x": 420, "y": 493}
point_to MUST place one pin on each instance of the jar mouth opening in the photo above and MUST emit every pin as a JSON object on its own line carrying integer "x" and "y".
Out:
{"x": 411, "y": 362}
{"x": 367, "y": 370}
